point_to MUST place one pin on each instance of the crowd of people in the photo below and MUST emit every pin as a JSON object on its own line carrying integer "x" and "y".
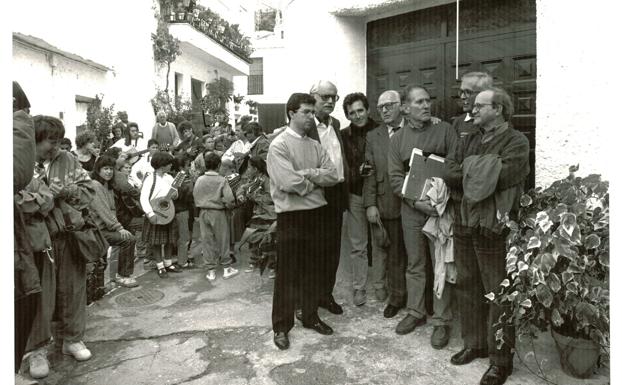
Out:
{"x": 191, "y": 198}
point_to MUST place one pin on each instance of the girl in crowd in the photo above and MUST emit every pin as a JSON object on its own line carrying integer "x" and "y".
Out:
{"x": 86, "y": 149}
{"x": 104, "y": 212}
{"x": 159, "y": 237}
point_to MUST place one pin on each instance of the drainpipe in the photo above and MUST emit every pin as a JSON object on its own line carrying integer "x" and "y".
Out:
{"x": 457, "y": 37}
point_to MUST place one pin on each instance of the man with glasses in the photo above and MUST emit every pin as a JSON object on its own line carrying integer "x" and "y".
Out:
{"x": 326, "y": 131}
{"x": 437, "y": 139}
{"x": 389, "y": 258}
{"x": 299, "y": 169}
{"x": 492, "y": 176}
{"x": 356, "y": 109}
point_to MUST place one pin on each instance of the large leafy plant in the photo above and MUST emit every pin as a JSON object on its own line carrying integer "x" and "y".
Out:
{"x": 558, "y": 261}
{"x": 100, "y": 119}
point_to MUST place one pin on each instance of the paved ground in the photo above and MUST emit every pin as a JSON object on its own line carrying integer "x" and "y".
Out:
{"x": 219, "y": 333}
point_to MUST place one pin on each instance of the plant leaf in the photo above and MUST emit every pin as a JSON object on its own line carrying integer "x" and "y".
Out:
{"x": 554, "y": 283}
{"x": 505, "y": 283}
{"x": 490, "y": 296}
{"x": 522, "y": 266}
{"x": 526, "y": 303}
{"x": 556, "y": 318}
{"x": 525, "y": 200}
{"x": 603, "y": 258}
{"x": 568, "y": 222}
{"x": 573, "y": 287}
{"x": 592, "y": 241}
{"x": 534, "y": 242}
{"x": 567, "y": 277}
{"x": 544, "y": 295}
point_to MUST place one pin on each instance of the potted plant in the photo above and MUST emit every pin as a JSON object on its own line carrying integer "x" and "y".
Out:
{"x": 252, "y": 106}
{"x": 558, "y": 270}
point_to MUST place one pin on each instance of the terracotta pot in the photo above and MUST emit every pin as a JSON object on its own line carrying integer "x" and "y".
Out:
{"x": 577, "y": 356}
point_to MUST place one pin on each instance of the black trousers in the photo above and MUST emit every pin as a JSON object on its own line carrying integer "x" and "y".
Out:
{"x": 480, "y": 262}
{"x": 331, "y": 238}
{"x": 299, "y": 257}
{"x": 25, "y": 312}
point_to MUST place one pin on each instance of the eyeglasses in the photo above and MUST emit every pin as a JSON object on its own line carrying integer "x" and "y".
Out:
{"x": 466, "y": 93}
{"x": 326, "y": 98}
{"x": 478, "y": 106}
{"x": 388, "y": 106}
{"x": 306, "y": 112}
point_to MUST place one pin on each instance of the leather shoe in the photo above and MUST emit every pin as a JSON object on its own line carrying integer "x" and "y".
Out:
{"x": 390, "y": 311}
{"x": 496, "y": 375}
{"x": 332, "y": 307}
{"x": 281, "y": 341}
{"x": 319, "y": 327}
{"x": 440, "y": 336}
{"x": 408, "y": 324}
{"x": 299, "y": 314}
{"x": 467, "y": 355}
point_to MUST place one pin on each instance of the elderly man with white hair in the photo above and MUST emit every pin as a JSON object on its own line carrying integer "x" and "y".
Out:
{"x": 165, "y": 132}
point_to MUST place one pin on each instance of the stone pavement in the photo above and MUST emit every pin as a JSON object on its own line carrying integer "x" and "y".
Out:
{"x": 197, "y": 332}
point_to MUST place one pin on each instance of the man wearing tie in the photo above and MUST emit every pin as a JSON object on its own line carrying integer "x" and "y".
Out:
{"x": 382, "y": 206}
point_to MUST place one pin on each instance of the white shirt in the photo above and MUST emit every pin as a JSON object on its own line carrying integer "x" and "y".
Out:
{"x": 330, "y": 142}
{"x": 468, "y": 117}
{"x": 138, "y": 144}
{"x": 141, "y": 168}
{"x": 237, "y": 146}
{"x": 392, "y": 129}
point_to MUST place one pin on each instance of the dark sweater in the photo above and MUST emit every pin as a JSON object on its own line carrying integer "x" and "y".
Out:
{"x": 354, "y": 139}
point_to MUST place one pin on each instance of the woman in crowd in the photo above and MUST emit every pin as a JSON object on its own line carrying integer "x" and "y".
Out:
{"x": 86, "y": 149}
{"x": 159, "y": 237}
{"x": 104, "y": 212}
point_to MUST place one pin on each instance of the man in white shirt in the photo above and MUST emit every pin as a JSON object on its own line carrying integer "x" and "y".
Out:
{"x": 237, "y": 151}
{"x": 132, "y": 141}
{"x": 328, "y": 134}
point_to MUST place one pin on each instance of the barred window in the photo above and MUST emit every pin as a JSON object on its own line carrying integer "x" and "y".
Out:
{"x": 255, "y": 77}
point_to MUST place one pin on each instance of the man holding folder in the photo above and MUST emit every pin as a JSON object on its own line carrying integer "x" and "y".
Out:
{"x": 438, "y": 139}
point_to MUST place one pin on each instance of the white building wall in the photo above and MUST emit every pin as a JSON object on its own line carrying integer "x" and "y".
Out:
{"x": 52, "y": 90}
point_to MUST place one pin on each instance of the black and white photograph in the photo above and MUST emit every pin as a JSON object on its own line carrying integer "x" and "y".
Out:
{"x": 310, "y": 192}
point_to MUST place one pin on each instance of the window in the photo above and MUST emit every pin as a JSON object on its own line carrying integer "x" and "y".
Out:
{"x": 255, "y": 77}
{"x": 179, "y": 79}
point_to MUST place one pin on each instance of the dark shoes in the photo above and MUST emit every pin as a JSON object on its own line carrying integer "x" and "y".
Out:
{"x": 162, "y": 273}
{"x": 496, "y": 375}
{"x": 390, "y": 311}
{"x": 332, "y": 306}
{"x": 319, "y": 327}
{"x": 408, "y": 324}
{"x": 440, "y": 336}
{"x": 467, "y": 355}
{"x": 174, "y": 268}
{"x": 281, "y": 341}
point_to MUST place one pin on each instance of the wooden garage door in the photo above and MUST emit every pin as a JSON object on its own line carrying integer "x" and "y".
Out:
{"x": 498, "y": 37}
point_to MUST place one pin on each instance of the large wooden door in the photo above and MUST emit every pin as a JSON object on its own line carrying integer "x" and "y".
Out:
{"x": 496, "y": 37}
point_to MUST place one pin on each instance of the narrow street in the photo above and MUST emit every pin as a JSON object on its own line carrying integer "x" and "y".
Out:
{"x": 186, "y": 330}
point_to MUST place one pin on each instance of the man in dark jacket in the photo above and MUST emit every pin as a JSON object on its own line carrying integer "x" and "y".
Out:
{"x": 479, "y": 240}
{"x": 356, "y": 108}
{"x": 384, "y": 207}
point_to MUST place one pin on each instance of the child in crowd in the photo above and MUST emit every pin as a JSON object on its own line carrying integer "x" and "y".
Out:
{"x": 160, "y": 238}
{"x": 212, "y": 196}
{"x": 104, "y": 212}
{"x": 260, "y": 230}
{"x": 184, "y": 212}
{"x": 142, "y": 167}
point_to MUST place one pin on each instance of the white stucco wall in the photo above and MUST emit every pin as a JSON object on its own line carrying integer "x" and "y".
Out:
{"x": 52, "y": 90}
{"x": 574, "y": 115}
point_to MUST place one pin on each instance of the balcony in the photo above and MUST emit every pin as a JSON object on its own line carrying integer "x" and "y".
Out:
{"x": 187, "y": 26}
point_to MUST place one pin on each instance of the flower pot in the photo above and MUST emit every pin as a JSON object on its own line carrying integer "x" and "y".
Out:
{"x": 172, "y": 16}
{"x": 578, "y": 356}
{"x": 181, "y": 16}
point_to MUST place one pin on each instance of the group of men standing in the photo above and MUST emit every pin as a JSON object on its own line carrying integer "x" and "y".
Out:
{"x": 319, "y": 171}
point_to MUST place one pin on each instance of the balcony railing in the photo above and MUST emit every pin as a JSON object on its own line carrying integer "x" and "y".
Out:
{"x": 215, "y": 32}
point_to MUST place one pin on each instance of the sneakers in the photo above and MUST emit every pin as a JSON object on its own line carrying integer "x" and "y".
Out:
{"x": 38, "y": 363}
{"x": 250, "y": 268}
{"x": 189, "y": 264}
{"x": 76, "y": 349}
{"x": 211, "y": 275}
{"x": 126, "y": 281}
{"x": 229, "y": 272}
{"x": 162, "y": 273}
